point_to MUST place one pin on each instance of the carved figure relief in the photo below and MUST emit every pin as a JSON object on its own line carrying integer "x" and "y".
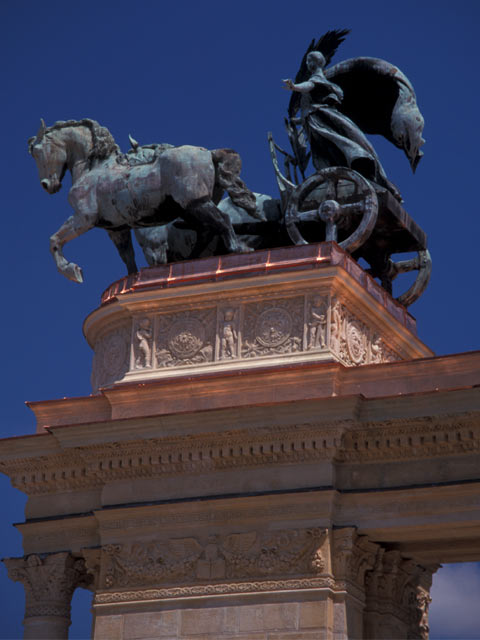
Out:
{"x": 143, "y": 346}
{"x": 376, "y": 349}
{"x": 379, "y": 352}
{"x": 242, "y": 330}
{"x": 185, "y": 338}
{"x": 317, "y": 324}
{"x": 336, "y": 327}
{"x": 228, "y": 334}
{"x": 422, "y": 604}
{"x": 273, "y": 328}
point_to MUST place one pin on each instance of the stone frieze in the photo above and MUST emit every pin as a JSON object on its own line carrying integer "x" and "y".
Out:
{"x": 238, "y": 332}
{"x": 238, "y": 556}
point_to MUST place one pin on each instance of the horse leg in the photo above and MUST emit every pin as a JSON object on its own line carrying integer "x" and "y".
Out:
{"x": 202, "y": 241}
{"x": 204, "y": 212}
{"x": 68, "y": 231}
{"x": 154, "y": 244}
{"x": 122, "y": 239}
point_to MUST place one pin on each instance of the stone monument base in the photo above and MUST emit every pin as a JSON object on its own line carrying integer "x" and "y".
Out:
{"x": 230, "y": 313}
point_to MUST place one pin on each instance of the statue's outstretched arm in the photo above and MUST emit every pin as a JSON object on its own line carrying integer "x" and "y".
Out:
{"x": 303, "y": 87}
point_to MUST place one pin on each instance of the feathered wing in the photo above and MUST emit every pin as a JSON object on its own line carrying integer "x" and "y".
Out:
{"x": 380, "y": 99}
{"x": 327, "y": 45}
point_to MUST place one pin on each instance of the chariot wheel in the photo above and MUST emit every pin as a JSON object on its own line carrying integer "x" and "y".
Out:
{"x": 422, "y": 263}
{"x": 332, "y": 212}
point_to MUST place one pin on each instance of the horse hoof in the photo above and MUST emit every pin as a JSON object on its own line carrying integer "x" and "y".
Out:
{"x": 244, "y": 248}
{"x": 73, "y": 272}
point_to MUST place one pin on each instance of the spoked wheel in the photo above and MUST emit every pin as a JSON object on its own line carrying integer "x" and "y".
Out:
{"x": 422, "y": 263}
{"x": 332, "y": 212}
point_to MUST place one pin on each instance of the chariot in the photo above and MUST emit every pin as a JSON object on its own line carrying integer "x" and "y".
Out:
{"x": 365, "y": 219}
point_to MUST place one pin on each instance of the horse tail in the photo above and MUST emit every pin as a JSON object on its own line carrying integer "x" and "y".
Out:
{"x": 227, "y": 176}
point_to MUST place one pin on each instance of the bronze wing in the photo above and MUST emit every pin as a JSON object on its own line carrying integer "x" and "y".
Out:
{"x": 380, "y": 99}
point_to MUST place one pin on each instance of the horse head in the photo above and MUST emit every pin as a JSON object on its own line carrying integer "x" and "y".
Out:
{"x": 50, "y": 154}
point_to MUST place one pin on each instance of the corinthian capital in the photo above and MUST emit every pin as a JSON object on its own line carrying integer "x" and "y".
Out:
{"x": 49, "y": 582}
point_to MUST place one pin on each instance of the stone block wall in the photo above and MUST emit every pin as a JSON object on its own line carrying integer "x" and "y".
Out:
{"x": 270, "y": 621}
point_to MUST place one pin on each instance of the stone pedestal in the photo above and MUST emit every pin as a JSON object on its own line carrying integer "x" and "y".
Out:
{"x": 272, "y": 454}
{"x": 231, "y": 313}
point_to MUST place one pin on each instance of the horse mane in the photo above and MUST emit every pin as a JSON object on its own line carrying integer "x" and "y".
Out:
{"x": 103, "y": 143}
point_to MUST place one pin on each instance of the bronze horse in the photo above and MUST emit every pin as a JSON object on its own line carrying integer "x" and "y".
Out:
{"x": 149, "y": 186}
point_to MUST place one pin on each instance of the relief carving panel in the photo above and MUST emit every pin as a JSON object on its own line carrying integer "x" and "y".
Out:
{"x": 273, "y": 327}
{"x": 111, "y": 357}
{"x": 239, "y": 556}
{"x": 240, "y": 329}
{"x": 185, "y": 338}
{"x": 353, "y": 341}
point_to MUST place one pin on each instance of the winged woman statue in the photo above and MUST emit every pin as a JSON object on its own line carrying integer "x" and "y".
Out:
{"x": 340, "y": 104}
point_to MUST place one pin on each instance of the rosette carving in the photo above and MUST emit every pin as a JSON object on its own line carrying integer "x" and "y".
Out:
{"x": 185, "y": 338}
{"x": 273, "y": 328}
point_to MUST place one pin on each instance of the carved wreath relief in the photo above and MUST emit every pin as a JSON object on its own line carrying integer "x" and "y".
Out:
{"x": 243, "y": 330}
{"x": 353, "y": 341}
{"x": 185, "y": 338}
{"x": 273, "y": 327}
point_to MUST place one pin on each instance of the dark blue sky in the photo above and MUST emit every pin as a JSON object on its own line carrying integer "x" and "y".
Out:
{"x": 209, "y": 73}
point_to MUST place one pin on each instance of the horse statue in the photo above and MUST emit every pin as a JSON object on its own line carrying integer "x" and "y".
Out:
{"x": 147, "y": 187}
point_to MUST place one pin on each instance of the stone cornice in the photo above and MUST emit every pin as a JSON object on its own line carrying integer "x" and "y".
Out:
{"x": 341, "y": 441}
{"x": 95, "y": 465}
{"x": 412, "y": 439}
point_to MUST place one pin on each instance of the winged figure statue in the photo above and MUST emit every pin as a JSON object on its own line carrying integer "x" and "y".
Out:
{"x": 333, "y": 108}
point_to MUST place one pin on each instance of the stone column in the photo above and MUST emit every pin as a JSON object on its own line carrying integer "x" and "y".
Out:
{"x": 49, "y": 582}
{"x": 397, "y": 598}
